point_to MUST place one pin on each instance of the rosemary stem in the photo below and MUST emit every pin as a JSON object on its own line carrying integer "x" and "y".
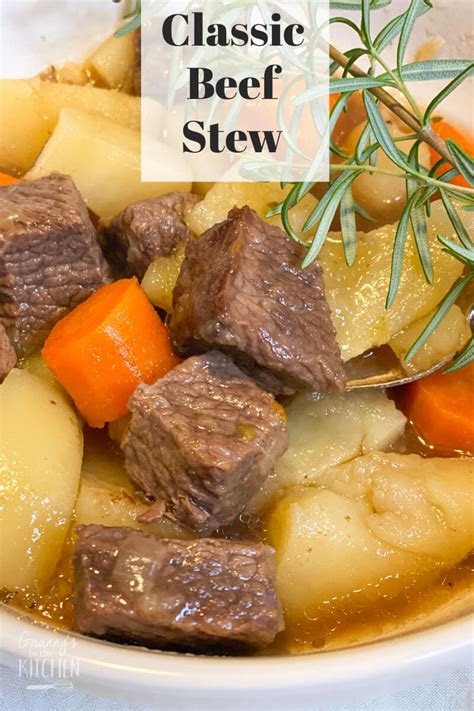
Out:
{"x": 401, "y": 85}
{"x": 397, "y": 174}
{"x": 423, "y": 133}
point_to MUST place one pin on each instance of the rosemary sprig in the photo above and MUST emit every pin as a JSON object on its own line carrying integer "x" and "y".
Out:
{"x": 422, "y": 185}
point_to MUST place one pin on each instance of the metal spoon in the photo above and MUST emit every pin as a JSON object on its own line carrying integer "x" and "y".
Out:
{"x": 381, "y": 368}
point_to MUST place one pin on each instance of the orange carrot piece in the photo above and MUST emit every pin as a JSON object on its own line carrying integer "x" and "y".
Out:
{"x": 6, "y": 179}
{"x": 441, "y": 408}
{"x": 105, "y": 347}
{"x": 445, "y": 130}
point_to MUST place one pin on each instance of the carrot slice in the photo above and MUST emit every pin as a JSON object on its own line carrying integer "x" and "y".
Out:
{"x": 105, "y": 347}
{"x": 6, "y": 179}
{"x": 441, "y": 409}
{"x": 445, "y": 130}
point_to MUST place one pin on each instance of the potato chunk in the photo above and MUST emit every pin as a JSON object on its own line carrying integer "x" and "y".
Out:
{"x": 222, "y": 197}
{"x": 112, "y": 62}
{"x": 160, "y": 279}
{"x": 329, "y": 429}
{"x": 107, "y": 497}
{"x": 356, "y": 294}
{"x": 30, "y": 110}
{"x": 103, "y": 159}
{"x": 450, "y": 336}
{"x": 40, "y": 462}
{"x": 373, "y": 527}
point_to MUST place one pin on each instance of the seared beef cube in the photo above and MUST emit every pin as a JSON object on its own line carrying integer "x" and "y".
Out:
{"x": 50, "y": 259}
{"x": 146, "y": 230}
{"x": 7, "y": 354}
{"x": 242, "y": 289}
{"x": 202, "y": 440}
{"x": 207, "y": 593}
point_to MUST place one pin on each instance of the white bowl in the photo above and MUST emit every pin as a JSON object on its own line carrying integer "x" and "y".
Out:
{"x": 186, "y": 682}
{"x": 421, "y": 649}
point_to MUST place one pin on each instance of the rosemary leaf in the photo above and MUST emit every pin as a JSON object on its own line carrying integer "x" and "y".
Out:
{"x": 374, "y": 153}
{"x": 432, "y": 69}
{"x": 361, "y": 145}
{"x": 324, "y": 225}
{"x": 463, "y": 358}
{"x": 317, "y": 212}
{"x": 348, "y": 226}
{"x": 394, "y": 27}
{"x": 435, "y": 169}
{"x": 410, "y": 17}
{"x": 131, "y": 26}
{"x": 365, "y": 23}
{"x": 462, "y": 160}
{"x": 456, "y": 220}
{"x": 417, "y": 218}
{"x": 340, "y": 86}
{"x": 464, "y": 254}
{"x": 418, "y": 223}
{"x": 446, "y": 91}
{"x": 398, "y": 252}
{"x": 443, "y": 308}
{"x": 303, "y": 189}
{"x": 353, "y": 55}
{"x": 363, "y": 213}
{"x": 382, "y": 133}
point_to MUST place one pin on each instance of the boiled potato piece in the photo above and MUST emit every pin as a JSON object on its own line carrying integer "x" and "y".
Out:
{"x": 222, "y": 197}
{"x": 40, "y": 464}
{"x": 448, "y": 338}
{"x": 114, "y": 105}
{"x": 160, "y": 279}
{"x": 107, "y": 497}
{"x": 30, "y": 110}
{"x": 373, "y": 527}
{"x": 68, "y": 73}
{"x": 24, "y": 129}
{"x": 325, "y": 430}
{"x": 356, "y": 295}
{"x": 103, "y": 159}
{"x": 112, "y": 63}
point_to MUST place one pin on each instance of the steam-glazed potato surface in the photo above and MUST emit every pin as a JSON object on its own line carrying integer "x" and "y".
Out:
{"x": 40, "y": 455}
{"x": 370, "y": 528}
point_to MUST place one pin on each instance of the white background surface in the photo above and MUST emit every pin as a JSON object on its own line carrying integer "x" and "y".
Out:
{"x": 451, "y": 692}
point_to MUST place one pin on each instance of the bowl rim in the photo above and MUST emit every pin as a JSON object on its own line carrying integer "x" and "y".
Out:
{"x": 139, "y": 667}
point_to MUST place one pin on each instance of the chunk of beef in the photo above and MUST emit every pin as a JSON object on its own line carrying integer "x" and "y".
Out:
{"x": 146, "y": 230}
{"x": 242, "y": 289}
{"x": 7, "y": 354}
{"x": 137, "y": 69}
{"x": 50, "y": 259}
{"x": 203, "y": 439}
{"x": 207, "y": 593}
